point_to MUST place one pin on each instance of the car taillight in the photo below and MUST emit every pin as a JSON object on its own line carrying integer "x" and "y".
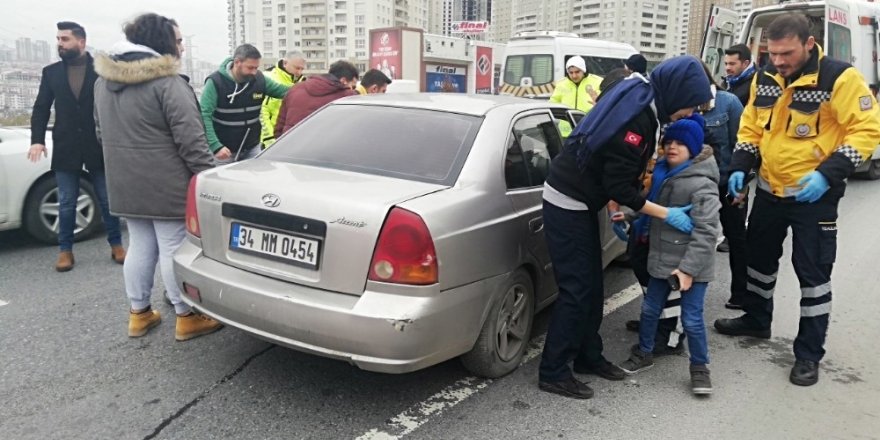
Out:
{"x": 405, "y": 251}
{"x": 192, "y": 214}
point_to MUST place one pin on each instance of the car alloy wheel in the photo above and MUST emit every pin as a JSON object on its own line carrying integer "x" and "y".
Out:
{"x": 512, "y": 322}
{"x": 49, "y": 211}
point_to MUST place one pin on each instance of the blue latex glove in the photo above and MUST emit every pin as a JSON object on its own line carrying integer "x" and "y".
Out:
{"x": 621, "y": 230}
{"x": 678, "y": 219}
{"x": 735, "y": 183}
{"x": 813, "y": 186}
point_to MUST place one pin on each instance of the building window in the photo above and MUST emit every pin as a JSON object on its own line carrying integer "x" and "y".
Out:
{"x": 267, "y": 34}
{"x": 282, "y": 19}
{"x": 282, "y": 31}
{"x": 281, "y": 7}
{"x": 267, "y": 46}
{"x": 359, "y": 44}
{"x": 267, "y": 22}
{"x": 267, "y": 12}
{"x": 358, "y": 19}
{"x": 282, "y": 43}
{"x": 359, "y": 32}
{"x": 296, "y": 20}
{"x": 647, "y": 15}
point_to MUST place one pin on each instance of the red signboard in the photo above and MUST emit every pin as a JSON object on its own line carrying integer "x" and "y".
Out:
{"x": 385, "y": 54}
{"x": 484, "y": 68}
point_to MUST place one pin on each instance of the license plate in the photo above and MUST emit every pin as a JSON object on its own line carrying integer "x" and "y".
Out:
{"x": 289, "y": 248}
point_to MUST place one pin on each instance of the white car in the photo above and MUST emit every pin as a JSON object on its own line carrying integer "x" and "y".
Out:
{"x": 29, "y": 195}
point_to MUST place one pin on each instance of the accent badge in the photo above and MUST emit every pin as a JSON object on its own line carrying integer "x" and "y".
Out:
{"x": 802, "y": 130}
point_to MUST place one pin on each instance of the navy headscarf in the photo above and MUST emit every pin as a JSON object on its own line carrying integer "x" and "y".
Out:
{"x": 675, "y": 84}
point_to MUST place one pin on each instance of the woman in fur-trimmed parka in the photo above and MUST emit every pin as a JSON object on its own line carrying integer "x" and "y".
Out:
{"x": 151, "y": 131}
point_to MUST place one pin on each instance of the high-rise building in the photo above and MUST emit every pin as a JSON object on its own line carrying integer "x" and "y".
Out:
{"x": 24, "y": 50}
{"x": 541, "y": 15}
{"x": 41, "y": 51}
{"x": 651, "y": 26}
{"x": 695, "y": 26}
{"x": 323, "y": 30}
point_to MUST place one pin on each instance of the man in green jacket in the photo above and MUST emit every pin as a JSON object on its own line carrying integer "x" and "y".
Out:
{"x": 578, "y": 90}
{"x": 288, "y": 71}
{"x": 231, "y": 103}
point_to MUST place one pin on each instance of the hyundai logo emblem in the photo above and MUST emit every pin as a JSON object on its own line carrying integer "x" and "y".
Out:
{"x": 271, "y": 200}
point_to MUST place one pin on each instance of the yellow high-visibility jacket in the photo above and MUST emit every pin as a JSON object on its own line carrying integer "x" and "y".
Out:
{"x": 576, "y": 95}
{"x": 825, "y": 120}
{"x": 271, "y": 106}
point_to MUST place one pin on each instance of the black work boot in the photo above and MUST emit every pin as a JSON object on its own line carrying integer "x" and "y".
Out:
{"x": 741, "y": 326}
{"x": 603, "y": 369}
{"x": 570, "y": 387}
{"x": 804, "y": 373}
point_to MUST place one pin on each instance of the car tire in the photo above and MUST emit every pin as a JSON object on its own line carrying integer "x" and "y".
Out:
{"x": 40, "y": 216}
{"x": 505, "y": 334}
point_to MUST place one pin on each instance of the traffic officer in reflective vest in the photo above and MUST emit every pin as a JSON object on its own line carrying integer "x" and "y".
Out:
{"x": 231, "y": 103}
{"x": 811, "y": 120}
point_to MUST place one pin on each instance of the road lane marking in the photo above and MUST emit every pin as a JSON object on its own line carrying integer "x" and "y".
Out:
{"x": 417, "y": 415}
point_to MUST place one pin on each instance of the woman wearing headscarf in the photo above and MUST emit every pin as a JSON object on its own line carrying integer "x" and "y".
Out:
{"x": 602, "y": 161}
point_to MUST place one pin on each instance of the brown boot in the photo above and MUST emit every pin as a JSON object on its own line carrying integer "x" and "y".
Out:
{"x": 195, "y": 325}
{"x": 117, "y": 253}
{"x": 65, "y": 261}
{"x": 140, "y": 323}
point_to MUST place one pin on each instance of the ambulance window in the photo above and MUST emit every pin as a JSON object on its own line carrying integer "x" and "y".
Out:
{"x": 538, "y": 67}
{"x": 601, "y": 65}
{"x": 839, "y": 43}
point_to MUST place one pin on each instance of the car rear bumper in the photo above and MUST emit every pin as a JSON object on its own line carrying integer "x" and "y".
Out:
{"x": 389, "y": 328}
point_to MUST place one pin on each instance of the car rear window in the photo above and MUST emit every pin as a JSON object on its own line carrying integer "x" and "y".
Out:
{"x": 413, "y": 144}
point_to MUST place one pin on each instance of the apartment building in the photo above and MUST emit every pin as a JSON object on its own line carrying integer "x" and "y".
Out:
{"x": 651, "y": 26}
{"x": 323, "y": 30}
{"x": 699, "y": 18}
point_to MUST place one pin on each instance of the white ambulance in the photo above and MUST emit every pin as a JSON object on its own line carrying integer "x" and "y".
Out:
{"x": 846, "y": 29}
{"x": 536, "y": 60}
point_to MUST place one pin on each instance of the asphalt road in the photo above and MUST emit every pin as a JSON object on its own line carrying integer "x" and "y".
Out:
{"x": 68, "y": 369}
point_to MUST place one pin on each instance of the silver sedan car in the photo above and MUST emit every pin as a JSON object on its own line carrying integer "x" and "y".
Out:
{"x": 393, "y": 232}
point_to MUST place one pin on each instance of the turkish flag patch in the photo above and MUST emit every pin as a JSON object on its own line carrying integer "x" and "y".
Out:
{"x": 632, "y": 139}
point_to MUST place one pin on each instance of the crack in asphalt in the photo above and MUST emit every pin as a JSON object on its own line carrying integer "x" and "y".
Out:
{"x": 205, "y": 393}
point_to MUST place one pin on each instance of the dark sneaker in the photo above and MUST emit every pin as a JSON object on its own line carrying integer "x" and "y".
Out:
{"x": 741, "y": 327}
{"x": 701, "y": 384}
{"x": 732, "y": 306}
{"x": 638, "y": 361}
{"x": 605, "y": 370}
{"x": 662, "y": 350}
{"x": 633, "y": 325}
{"x": 804, "y": 373}
{"x": 571, "y": 388}
{"x": 724, "y": 246}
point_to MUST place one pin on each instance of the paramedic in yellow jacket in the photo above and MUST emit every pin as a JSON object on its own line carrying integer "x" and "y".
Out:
{"x": 578, "y": 90}
{"x": 811, "y": 120}
{"x": 288, "y": 71}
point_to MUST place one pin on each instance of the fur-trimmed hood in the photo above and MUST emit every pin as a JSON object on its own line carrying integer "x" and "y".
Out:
{"x": 129, "y": 63}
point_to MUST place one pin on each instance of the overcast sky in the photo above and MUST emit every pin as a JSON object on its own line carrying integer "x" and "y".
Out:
{"x": 205, "y": 20}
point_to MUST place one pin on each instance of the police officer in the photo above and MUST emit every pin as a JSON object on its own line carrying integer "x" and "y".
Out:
{"x": 603, "y": 160}
{"x": 812, "y": 121}
{"x": 231, "y": 103}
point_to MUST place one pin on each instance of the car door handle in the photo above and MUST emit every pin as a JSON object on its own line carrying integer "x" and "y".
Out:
{"x": 536, "y": 225}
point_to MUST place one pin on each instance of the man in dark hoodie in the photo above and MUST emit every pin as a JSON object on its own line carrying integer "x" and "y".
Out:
{"x": 602, "y": 160}
{"x": 316, "y": 92}
{"x": 231, "y": 104}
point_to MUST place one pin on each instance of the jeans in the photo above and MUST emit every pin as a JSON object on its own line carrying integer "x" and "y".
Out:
{"x": 68, "y": 195}
{"x": 691, "y": 318}
{"x": 149, "y": 242}
{"x": 576, "y": 253}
